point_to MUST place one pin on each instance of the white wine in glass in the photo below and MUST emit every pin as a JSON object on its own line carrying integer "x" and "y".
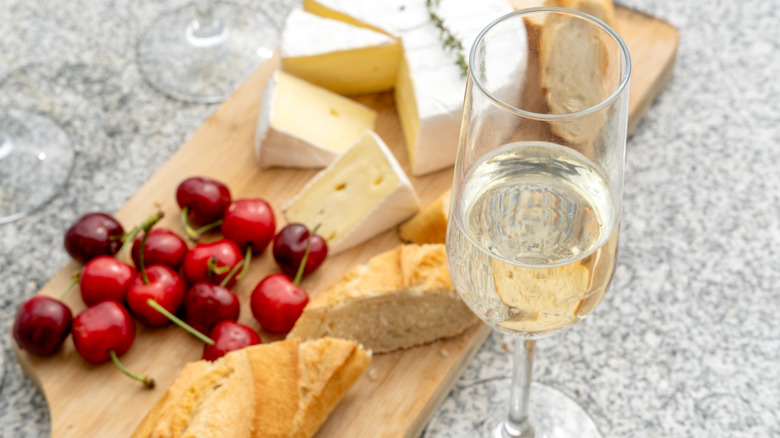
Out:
{"x": 204, "y": 51}
{"x": 36, "y": 158}
{"x": 536, "y": 198}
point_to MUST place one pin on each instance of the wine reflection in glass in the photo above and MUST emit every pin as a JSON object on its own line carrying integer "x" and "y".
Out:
{"x": 36, "y": 158}
{"x": 204, "y": 51}
{"x": 536, "y": 199}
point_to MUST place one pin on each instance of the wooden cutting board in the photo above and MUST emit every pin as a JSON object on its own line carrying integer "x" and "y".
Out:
{"x": 400, "y": 391}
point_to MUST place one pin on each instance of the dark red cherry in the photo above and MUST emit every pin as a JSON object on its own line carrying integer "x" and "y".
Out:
{"x": 229, "y": 336}
{"x": 92, "y": 235}
{"x": 290, "y": 246}
{"x": 204, "y": 198}
{"x": 163, "y": 247}
{"x": 206, "y": 305}
{"x": 42, "y": 323}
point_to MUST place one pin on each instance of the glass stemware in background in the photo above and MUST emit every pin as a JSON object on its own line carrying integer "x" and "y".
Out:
{"x": 36, "y": 158}
{"x": 536, "y": 198}
{"x": 204, "y": 51}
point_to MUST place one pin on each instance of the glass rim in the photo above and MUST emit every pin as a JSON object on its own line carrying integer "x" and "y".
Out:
{"x": 539, "y": 116}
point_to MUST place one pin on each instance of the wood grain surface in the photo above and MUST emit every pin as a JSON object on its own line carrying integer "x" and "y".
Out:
{"x": 400, "y": 391}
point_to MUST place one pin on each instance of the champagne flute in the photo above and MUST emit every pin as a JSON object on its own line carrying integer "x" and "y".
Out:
{"x": 202, "y": 52}
{"x": 536, "y": 197}
{"x": 36, "y": 158}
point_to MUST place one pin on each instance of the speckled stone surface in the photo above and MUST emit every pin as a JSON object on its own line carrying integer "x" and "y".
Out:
{"x": 686, "y": 344}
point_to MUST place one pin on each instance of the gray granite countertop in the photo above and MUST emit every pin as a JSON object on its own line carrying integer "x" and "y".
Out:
{"x": 686, "y": 344}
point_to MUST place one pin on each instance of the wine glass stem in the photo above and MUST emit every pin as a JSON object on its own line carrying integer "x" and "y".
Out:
{"x": 205, "y": 29}
{"x": 6, "y": 144}
{"x": 517, "y": 424}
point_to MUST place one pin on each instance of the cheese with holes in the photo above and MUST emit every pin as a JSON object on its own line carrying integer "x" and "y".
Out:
{"x": 303, "y": 125}
{"x": 430, "y": 85}
{"x": 359, "y": 195}
{"x": 341, "y": 57}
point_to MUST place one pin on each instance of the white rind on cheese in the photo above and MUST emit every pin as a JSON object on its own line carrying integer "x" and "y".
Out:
{"x": 430, "y": 87}
{"x": 305, "y": 126}
{"x": 338, "y": 56}
{"x": 362, "y": 193}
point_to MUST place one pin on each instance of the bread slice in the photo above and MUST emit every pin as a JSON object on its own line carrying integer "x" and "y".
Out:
{"x": 285, "y": 389}
{"x": 399, "y": 299}
{"x": 573, "y": 57}
{"x": 429, "y": 225}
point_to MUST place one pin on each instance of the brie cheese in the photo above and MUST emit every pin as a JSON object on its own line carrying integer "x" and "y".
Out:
{"x": 338, "y": 56}
{"x": 359, "y": 195}
{"x": 303, "y": 125}
{"x": 430, "y": 85}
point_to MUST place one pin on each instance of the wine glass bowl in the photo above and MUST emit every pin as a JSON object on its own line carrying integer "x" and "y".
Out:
{"x": 204, "y": 51}
{"x": 537, "y": 191}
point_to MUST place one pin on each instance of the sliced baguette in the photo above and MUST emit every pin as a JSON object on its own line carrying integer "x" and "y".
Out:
{"x": 399, "y": 299}
{"x": 430, "y": 224}
{"x": 285, "y": 389}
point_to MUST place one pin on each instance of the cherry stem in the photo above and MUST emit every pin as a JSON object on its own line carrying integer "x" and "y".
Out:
{"x": 129, "y": 238}
{"x": 156, "y": 306}
{"x": 302, "y": 266}
{"x": 194, "y": 234}
{"x": 214, "y": 269}
{"x": 73, "y": 280}
{"x": 241, "y": 266}
{"x": 146, "y": 227}
{"x": 146, "y": 380}
{"x": 247, "y": 260}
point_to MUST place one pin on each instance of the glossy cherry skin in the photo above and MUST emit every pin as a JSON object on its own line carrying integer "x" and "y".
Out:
{"x": 290, "y": 246}
{"x": 105, "y": 278}
{"x": 207, "y": 199}
{"x": 225, "y": 253}
{"x": 92, "y": 235}
{"x": 42, "y": 324}
{"x": 103, "y": 327}
{"x": 206, "y": 305}
{"x": 162, "y": 247}
{"x": 165, "y": 286}
{"x": 277, "y": 303}
{"x": 249, "y": 222}
{"x": 229, "y": 336}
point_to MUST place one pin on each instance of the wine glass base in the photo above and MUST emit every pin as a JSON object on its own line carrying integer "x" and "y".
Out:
{"x": 552, "y": 413}
{"x": 193, "y": 64}
{"x": 36, "y": 158}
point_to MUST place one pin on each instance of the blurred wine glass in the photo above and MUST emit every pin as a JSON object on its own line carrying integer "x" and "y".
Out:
{"x": 204, "y": 51}
{"x": 36, "y": 158}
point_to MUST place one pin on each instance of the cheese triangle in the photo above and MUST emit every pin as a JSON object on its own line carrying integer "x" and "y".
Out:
{"x": 343, "y": 58}
{"x": 306, "y": 126}
{"x": 359, "y": 195}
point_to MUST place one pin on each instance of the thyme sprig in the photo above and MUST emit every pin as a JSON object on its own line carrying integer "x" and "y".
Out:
{"x": 448, "y": 39}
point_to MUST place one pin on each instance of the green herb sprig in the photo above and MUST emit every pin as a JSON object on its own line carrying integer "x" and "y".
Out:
{"x": 448, "y": 39}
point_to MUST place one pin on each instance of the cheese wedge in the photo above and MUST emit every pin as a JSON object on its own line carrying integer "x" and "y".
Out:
{"x": 359, "y": 195}
{"x": 399, "y": 299}
{"x": 303, "y": 125}
{"x": 430, "y": 85}
{"x": 338, "y": 56}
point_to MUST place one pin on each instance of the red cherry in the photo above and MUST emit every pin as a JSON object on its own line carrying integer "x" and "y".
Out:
{"x": 226, "y": 255}
{"x": 277, "y": 303}
{"x": 206, "y": 305}
{"x": 205, "y": 199}
{"x": 165, "y": 286}
{"x": 101, "y": 328}
{"x": 42, "y": 324}
{"x": 229, "y": 336}
{"x": 92, "y": 235}
{"x": 163, "y": 247}
{"x": 105, "y": 278}
{"x": 290, "y": 246}
{"x": 249, "y": 222}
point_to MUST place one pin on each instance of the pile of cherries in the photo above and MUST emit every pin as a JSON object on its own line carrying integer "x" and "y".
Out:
{"x": 169, "y": 277}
